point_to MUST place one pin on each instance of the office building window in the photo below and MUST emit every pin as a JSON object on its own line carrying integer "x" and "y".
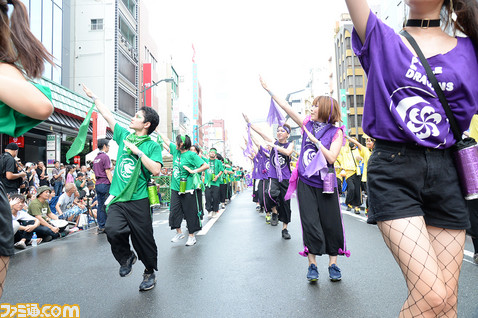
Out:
{"x": 131, "y": 6}
{"x": 127, "y": 33}
{"x": 96, "y": 24}
{"x": 126, "y": 102}
{"x": 127, "y": 68}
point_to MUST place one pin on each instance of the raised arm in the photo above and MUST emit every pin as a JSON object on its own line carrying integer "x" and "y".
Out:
{"x": 359, "y": 12}
{"x": 166, "y": 140}
{"x": 21, "y": 95}
{"x": 257, "y": 129}
{"x": 359, "y": 145}
{"x": 104, "y": 111}
{"x": 284, "y": 105}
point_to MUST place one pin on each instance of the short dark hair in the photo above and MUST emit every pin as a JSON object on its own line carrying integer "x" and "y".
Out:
{"x": 54, "y": 162}
{"x": 186, "y": 143}
{"x": 102, "y": 142}
{"x": 152, "y": 117}
{"x": 219, "y": 156}
{"x": 20, "y": 197}
{"x": 197, "y": 148}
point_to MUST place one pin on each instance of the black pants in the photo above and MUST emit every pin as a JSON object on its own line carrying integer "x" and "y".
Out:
{"x": 353, "y": 191}
{"x": 339, "y": 185}
{"x": 212, "y": 198}
{"x": 260, "y": 193}
{"x": 184, "y": 206}
{"x": 24, "y": 234}
{"x": 322, "y": 228}
{"x": 229, "y": 191}
{"x": 132, "y": 218}
{"x": 255, "y": 190}
{"x": 473, "y": 230}
{"x": 43, "y": 231}
{"x": 200, "y": 204}
{"x": 223, "y": 192}
{"x": 275, "y": 198}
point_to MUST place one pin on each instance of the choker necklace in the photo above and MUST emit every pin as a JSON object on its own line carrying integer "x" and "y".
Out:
{"x": 423, "y": 23}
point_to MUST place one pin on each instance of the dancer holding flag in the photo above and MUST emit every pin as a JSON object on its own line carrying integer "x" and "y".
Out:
{"x": 129, "y": 212}
{"x": 319, "y": 212}
{"x": 279, "y": 174}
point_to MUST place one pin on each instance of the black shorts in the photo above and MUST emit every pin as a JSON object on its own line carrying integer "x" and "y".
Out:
{"x": 406, "y": 180}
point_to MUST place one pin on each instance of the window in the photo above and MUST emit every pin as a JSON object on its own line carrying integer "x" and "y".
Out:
{"x": 131, "y": 6}
{"x": 358, "y": 81}
{"x": 347, "y": 43}
{"x": 96, "y": 24}
{"x": 127, "y": 68}
{"x": 127, "y": 33}
{"x": 126, "y": 102}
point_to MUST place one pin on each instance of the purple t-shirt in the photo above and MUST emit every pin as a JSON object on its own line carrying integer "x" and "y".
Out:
{"x": 255, "y": 170}
{"x": 400, "y": 103}
{"x": 284, "y": 162}
{"x": 100, "y": 163}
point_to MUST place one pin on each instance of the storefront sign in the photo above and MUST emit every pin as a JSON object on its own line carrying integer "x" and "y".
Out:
{"x": 50, "y": 142}
{"x": 20, "y": 141}
{"x": 76, "y": 160}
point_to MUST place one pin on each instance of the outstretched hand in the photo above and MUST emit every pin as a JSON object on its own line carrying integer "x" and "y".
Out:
{"x": 263, "y": 83}
{"x": 87, "y": 91}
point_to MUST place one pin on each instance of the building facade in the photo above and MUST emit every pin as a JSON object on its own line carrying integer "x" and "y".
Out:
{"x": 351, "y": 78}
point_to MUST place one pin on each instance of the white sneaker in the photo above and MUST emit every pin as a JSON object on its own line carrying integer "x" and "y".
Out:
{"x": 191, "y": 241}
{"x": 214, "y": 214}
{"x": 177, "y": 237}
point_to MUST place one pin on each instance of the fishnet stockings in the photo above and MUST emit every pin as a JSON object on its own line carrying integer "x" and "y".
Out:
{"x": 430, "y": 259}
{"x": 4, "y": 260}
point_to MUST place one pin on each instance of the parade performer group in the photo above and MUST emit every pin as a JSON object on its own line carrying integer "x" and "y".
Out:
{"x": 320, "y": 215}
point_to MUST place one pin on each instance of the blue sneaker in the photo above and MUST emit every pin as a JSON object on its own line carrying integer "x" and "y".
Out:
{"x": 312, "y": 273}
{"x": 334, "y": 273}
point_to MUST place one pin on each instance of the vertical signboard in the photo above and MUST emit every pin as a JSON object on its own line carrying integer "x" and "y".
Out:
{"x": 195, "y": 134}
{"x": 343, "y": 108}
{"x": 50, "y": 150}
{"x": 147, "y": 96}
{"x": 58, "y": 147}
{"x": 195, "y": 93}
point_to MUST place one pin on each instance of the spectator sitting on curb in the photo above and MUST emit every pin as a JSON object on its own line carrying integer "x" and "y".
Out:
{"x": 28, "y": 223}
{"x": 40, "y": 209}
{"x": 68, "y": 207}
{"x": 80, "y": 182}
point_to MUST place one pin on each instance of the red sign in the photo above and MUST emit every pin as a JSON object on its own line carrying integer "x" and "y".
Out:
{"x": 147, "y": 84}
{"x": 76, "y": 160}
{"x": 20, "y": 141}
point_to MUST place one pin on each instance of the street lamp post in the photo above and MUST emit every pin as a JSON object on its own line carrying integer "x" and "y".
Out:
{"x": 167, "y": 80}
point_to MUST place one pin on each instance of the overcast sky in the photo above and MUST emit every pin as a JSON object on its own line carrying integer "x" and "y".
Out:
{"x": 237, "y": 41}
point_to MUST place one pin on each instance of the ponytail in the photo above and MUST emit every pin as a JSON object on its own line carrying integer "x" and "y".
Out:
{"x": 30, "y": 52}
{"x": 467, "y": 17}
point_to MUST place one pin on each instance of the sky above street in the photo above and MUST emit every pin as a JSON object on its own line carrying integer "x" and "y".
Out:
{"x": 237, "y": 41}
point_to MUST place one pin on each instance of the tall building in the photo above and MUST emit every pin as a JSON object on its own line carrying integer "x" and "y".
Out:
{"x": 106, "y": 50}
{"x": 351, "y": 79}
{"x": 215, "y": 136}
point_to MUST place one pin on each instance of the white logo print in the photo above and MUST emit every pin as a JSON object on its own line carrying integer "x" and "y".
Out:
{"x": 418, "y": 116}
{"x": 126, "y": 168}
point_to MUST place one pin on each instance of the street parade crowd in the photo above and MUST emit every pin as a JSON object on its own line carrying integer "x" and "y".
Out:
{"x": 402, "y": 178}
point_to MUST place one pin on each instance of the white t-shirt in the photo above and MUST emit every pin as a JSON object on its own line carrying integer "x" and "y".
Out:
{"x": 66, "y": 201}
{"x": 23, "y": 216}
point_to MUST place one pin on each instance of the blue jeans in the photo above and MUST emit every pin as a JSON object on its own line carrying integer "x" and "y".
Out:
{"x": 58, "y": 186}
{"x": 102, "y": 193}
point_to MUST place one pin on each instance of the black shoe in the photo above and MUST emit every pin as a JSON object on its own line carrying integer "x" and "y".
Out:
{"x": 285, "y": 234}
{"x": 47, "y": 238}
{"x": 100, "y": 230}
{"x": 149, "y": 281}
{"x": 127, "y": 267}
{"x": 275, "y": 219}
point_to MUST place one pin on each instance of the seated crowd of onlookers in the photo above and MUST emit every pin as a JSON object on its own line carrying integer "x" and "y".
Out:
{"x": 50, "y": 216}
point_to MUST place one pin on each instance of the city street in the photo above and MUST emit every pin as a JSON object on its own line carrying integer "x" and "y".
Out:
{"x": 240, "y": 267}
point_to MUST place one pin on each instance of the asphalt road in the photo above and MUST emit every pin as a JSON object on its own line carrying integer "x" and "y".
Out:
{"x": 240, "y": 267}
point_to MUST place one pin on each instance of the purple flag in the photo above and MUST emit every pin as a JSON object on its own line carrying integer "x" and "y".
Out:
{"x": 317, "y": 165}
{"x": 248, "y": 150}
{"x": 274, "y": 116}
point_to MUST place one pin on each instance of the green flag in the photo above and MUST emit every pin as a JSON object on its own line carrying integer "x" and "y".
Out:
{"x": 79, "y": 142}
